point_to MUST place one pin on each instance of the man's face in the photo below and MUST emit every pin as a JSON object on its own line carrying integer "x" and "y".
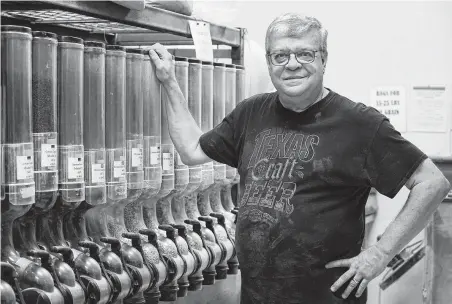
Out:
{"x": 296, "y": 79}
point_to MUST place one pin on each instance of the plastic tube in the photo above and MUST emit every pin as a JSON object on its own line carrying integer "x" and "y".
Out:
{"x": 219, "y": 95}
{"x": 229, "y": 104}
{"x": 181, "y": 172}
{"x": 151, "y": 127}
{"x": 207, "y": 117}
{"x": 17, "y": 142}
{"x": 115, "y": 106}
{"x": 44, "y": 88}
{"x": 194, "y": 105}
{"x": 94, "y": 122}
{"x": 167, "y": 149}
{"x": 134, "y": 119}
{"x": 70, "y": 117}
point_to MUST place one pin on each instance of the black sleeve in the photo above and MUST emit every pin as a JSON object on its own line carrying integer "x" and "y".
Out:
{"x": 391, "y": 160}
{"x": 221, "y": 143}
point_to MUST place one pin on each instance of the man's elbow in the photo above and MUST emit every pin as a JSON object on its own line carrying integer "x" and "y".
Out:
{"x": 444, "y": 185}
{"x": 188, "y": 160}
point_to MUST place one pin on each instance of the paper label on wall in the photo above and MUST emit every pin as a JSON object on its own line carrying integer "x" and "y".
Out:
{"x": 137, "y": 157}
{"x": 391, "y": 102}
{"x": 429, "y": 109}
{"x": 98, "y": 173}
{"x": 155, "y": 155}
{"x": 75, "y": 168}
{"x": 119, "y": 169}
{"x": 48, "y": 155}
{"x": 200, "y": 32}
{"x": 167, "y": 163}
{"x": 24, "y": 165}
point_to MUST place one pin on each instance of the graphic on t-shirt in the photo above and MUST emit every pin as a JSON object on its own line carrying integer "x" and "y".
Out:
{"x": 275, "y": 165}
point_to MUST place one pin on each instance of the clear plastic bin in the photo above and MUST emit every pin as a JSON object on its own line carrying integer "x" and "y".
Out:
{"x": 70, "y": 119}
{"x": 18, "y": 182}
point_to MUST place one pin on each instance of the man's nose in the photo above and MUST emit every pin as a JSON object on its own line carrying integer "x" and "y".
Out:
{"x": 293, "y": 63}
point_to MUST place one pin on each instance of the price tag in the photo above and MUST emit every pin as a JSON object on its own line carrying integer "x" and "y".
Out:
{"x": 155, "y": 155}
{"x": 48, "y": 155}
{"x": 98, "y": 173}
{"x": 119, "y": 169}
{"x": 75, "y": 168}
{"x": 25, "y": 168}
{"x": 200, "y": 32}
{"x": 167, "y": 161}
{"x": 137, "y": 157}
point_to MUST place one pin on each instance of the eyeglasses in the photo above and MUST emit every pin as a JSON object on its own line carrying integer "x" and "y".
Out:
{"x": 303, "y": 56}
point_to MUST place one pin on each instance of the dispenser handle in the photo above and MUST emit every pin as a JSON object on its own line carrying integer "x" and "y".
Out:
{"x": 196, "y": 225}
{"x": 66, "y": 252}
{"x": 207, "y": 219}
{"x": 43, "y": 255}
{"x": 131, "y": 236}
{"x": 219, "y": 217}
{"x": 135, "y": 237}
{"x": 93, "y": 249}
{"x": 152, "y": 236}
{"x": 109, "y": 240}
{"x": 181, "y": 229}
{"x": 114, "y": 243}
{"x": 170, "y": 231}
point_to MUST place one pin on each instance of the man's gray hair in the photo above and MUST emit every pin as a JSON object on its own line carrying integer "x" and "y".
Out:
{"x": 295, "y": 25}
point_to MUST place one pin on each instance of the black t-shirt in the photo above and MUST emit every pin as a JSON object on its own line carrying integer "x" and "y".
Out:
{"x": 305, "y": 180}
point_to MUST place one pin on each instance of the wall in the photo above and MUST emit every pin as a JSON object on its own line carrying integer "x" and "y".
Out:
{"x": 370, "y": 44}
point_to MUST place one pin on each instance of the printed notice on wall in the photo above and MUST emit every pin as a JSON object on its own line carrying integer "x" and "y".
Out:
{"x": 429, "y": 109}
{"x": 200, "y": 32}
{"x": 391, "y": 102}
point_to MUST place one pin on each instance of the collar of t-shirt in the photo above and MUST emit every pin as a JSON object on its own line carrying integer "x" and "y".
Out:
{"x": 315, "y": 108}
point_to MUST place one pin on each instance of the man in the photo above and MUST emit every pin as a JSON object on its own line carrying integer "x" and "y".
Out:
{"x": 307, "y": 158}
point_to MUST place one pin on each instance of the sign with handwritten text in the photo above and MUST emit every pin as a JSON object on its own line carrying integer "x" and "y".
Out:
{"x": 200, "y": 32}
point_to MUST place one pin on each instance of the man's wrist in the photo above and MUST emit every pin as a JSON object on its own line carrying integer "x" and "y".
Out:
{"x": 170, "y": 84}
{"x": 386, "y": 253}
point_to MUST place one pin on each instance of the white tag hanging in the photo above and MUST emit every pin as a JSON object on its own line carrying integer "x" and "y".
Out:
{"x": 200, "y": 32}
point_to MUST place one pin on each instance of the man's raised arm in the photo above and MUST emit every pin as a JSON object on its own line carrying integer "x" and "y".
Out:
{"x": 183, "y": 129}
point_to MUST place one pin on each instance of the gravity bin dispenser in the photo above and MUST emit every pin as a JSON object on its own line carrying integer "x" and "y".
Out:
{"x": 97, "y": 206}
{"x": 44, "y": 120}
{"x": 34, "y": 282}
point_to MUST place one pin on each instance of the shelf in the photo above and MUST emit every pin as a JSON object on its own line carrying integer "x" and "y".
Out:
{"x": 107, "y": 18}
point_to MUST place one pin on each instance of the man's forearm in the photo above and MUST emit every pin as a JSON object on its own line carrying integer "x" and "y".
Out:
{"x": 183, "y": 129}
{"x": 422, "y": 201}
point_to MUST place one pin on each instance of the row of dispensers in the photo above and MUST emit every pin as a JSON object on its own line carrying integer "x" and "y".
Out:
{"x": 97, "y": 206}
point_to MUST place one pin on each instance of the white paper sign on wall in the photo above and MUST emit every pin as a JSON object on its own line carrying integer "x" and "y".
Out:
{"x": 429, "y": 109}
{"x": 391, "y": 102}
{"x": 200, "y": 32}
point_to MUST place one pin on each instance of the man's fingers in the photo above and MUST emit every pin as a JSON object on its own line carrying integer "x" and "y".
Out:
{"x": 362, "y": 287}
{"x": 155, "y": 58}
{"x": 339, "y": 263}
{"x": 342, "y": 280}
{"x": 351, "y": 286}
{"x": 161, "y": 51}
